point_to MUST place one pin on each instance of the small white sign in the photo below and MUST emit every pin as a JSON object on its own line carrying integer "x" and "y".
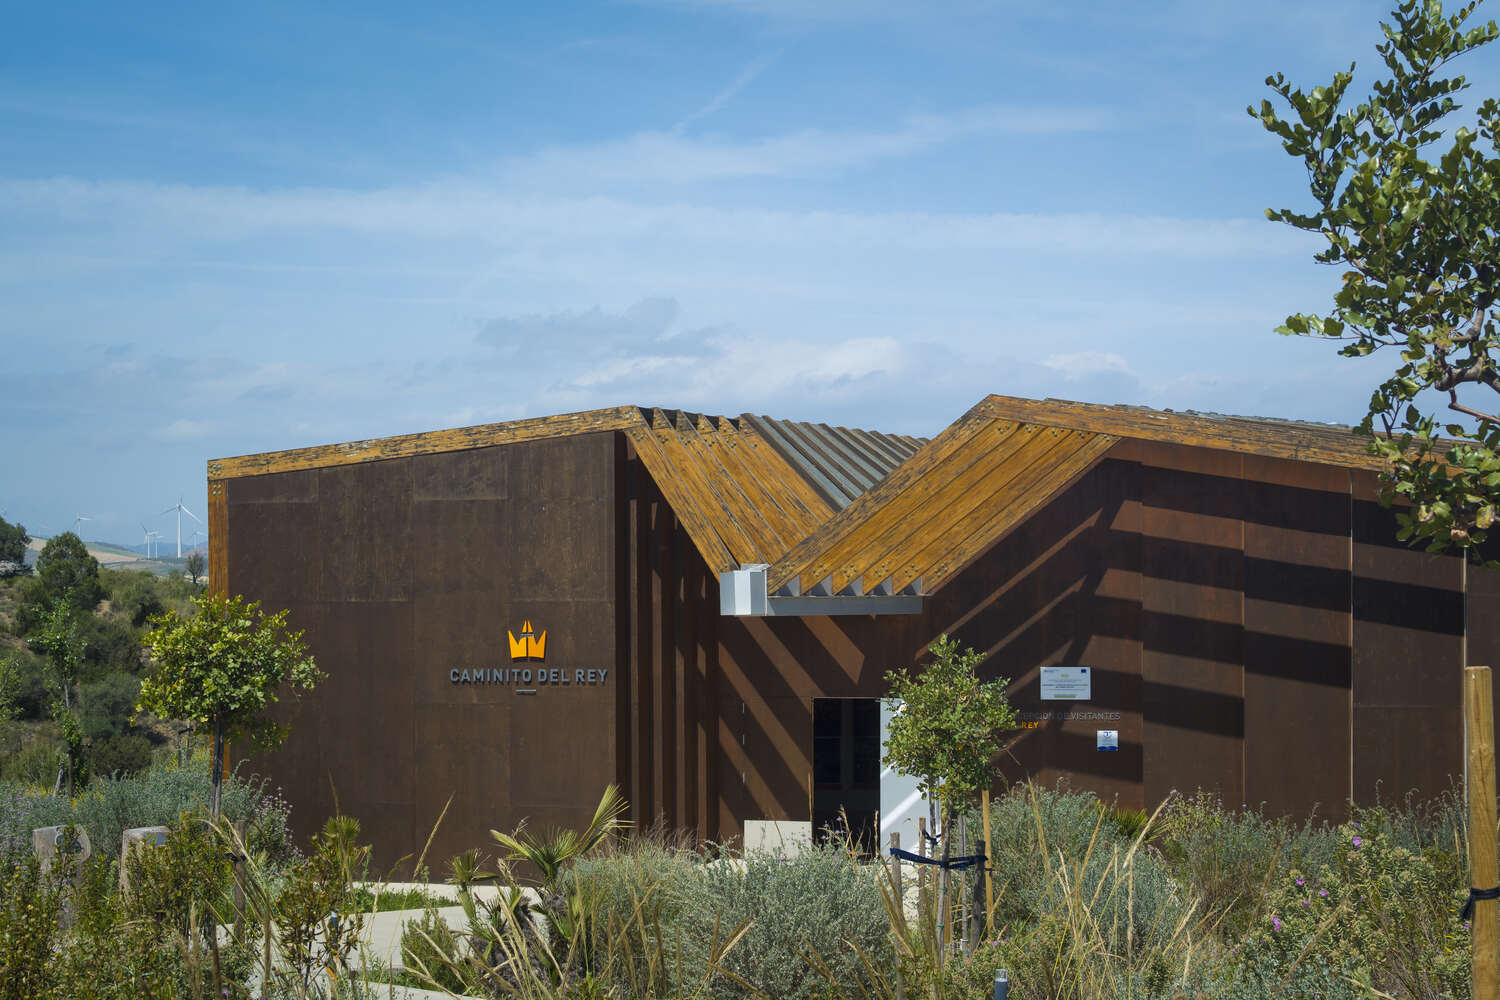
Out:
{"x": 1067, "y": 683}
{"x": 1109, "y": 739}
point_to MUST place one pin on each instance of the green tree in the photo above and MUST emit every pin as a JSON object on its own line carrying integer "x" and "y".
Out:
{"x": 59, "y": 640}
{"x": 222, "y": 668}
{"x": 1409, "y": 206}
{"x": 195, "y": 563}
{"x": 949, "y": 732}
{"x": 64, "y": 572}
{"x": 13, "y": 542}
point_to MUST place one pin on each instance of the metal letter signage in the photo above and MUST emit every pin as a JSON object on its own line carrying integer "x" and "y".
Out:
{"x": 530, "y": 646}
{"x": 1067, "y": 683}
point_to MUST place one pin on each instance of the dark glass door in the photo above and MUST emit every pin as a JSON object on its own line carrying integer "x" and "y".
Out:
{"x": 846, "y": 768}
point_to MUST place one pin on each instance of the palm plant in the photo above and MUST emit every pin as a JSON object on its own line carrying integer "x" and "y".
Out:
{"x": 550, "y": 852}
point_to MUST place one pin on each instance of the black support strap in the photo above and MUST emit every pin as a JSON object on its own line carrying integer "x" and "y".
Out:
{"x": 953, "y": 864}
{"x": 1476, "y": 894}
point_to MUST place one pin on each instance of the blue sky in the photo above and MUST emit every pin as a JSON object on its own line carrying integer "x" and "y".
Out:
{"x": 227, "y": 229}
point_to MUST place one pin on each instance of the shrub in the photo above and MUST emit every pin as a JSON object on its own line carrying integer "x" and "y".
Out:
{"x": 33, "y": 766}
{"x": 107, "y": 705}
{"x": 820, "y": 904}
{"x": 30, "y": 907}
{"x": 156, "y": 797}
{"x": 1379, "y": 908}
{"x": 632, "y": 895}
{"x": 120, "y": 756}
{"x": 1228, "y": 858}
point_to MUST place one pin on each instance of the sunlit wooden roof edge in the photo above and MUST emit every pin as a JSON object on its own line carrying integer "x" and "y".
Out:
{"x": 1323, "y": 444}
{"x": 614, "y": 418}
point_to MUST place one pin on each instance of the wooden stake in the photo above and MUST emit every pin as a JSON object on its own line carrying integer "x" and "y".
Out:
{"x": 1484, "y": 870}
{"x": 239, "y": 878}
{"x": 900, "y": 907}
{"x": 989, "y": 863}
{"x": 924, "y": 910}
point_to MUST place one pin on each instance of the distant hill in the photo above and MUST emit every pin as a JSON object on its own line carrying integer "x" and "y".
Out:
{"x": 127, "y": 556}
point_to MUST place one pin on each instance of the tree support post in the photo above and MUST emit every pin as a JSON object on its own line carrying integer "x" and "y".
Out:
{"x": 1484, "y": 865}
{"x": 900, "y": 900}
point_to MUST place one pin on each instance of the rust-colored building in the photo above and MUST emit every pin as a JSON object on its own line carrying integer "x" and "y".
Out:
{"x": 703, "y": 609}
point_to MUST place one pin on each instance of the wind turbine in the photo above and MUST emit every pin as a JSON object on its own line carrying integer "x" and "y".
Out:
{"x": 148, "y": 532}
{"x": 78, "y": 519}
{"x": 181, "y": 510}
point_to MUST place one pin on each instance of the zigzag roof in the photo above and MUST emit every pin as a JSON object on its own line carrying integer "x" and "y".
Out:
{"x": 839, "y": 511}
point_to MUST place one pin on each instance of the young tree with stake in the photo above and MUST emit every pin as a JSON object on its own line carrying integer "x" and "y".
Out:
{"x": 222, "y": 668}
{"x": 949, "y": 733}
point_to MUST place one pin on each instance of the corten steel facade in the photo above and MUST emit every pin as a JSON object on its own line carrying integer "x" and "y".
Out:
{"x": 1234, "y": 586}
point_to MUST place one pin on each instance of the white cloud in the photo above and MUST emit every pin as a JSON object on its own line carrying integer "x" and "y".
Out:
{"x": 185, "y": 430}
{"x": 1081, "y": 364}
{"x": 173, "y": 215}
{"x": 667, "y": 158}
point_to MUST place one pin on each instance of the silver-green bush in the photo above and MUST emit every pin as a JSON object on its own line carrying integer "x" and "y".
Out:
{"x": 821, "y": 904}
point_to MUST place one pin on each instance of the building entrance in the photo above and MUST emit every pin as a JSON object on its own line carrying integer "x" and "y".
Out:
{"x": 846, "y": 767}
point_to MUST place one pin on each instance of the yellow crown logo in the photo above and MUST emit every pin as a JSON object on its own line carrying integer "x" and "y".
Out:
{"x": 529, "y": 646}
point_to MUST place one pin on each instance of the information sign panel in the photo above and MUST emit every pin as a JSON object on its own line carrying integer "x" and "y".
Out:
{"x": 1067, "y": 683}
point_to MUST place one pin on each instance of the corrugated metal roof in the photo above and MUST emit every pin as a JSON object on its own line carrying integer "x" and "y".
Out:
{"x": 841, "y": 463}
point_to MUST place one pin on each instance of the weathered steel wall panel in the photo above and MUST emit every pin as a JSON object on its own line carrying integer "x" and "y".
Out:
{"x": 1298, "y": 589}
{"x": 1192, "y": 625}
{"x": 1408, "y": 658}
{"x": 403, "y": 571}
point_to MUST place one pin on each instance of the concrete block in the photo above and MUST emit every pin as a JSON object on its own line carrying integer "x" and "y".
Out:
{"x": 787, "y": 837}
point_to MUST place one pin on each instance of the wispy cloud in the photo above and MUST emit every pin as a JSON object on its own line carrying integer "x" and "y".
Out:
{"x": 175, "y": 216}
{"x": 671, "y": 157}
{"x": 729, "y": 93}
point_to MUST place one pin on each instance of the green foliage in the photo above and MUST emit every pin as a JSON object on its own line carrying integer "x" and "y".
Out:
{"x": 30, "y": 904}
{"x": 1378, "y": 909}
{"x": 316, "y": 929}
{"x": 1417, "y": 237}
{"x": 947, "y": 732}
{"x": 821, "y": 904}
{"x": 556, "y": 848}
{"x": 430, "y": 945}
{"x": 34, "y": 765}
{"x": 138, "y": 595}
{"x": 107, "y": 704}
{"x": 72, "y": 934}
{"x": 634, "y": 895}
{"x": 122, "y": 755}
{"x": 194, "y": 565}
{"x": 110, "y": 645}
{"x": 33, "y": 699}
{"x": 66, "y": 573}
{"x": 223, "y": 668}
{"x": 13, "y": 542}
{"x": 156, "y": 797}
{"x": 57, "y": 636}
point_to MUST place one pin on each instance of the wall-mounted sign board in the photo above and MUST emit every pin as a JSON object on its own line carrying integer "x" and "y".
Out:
{"x": 1067, "y": 683}
{"x": 1108, "y": 739}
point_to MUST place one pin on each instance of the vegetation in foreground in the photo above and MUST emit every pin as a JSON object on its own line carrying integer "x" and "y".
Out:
{"x": 1090, "y": 902}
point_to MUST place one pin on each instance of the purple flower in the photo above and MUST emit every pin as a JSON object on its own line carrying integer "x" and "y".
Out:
{"x": 1301, "y": 880}
{"x": 1276, "y": 923}
{"x": 1358, "y": 841}
{"x": 1323, "y": 893}
{"x": 1307, "y": 902}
